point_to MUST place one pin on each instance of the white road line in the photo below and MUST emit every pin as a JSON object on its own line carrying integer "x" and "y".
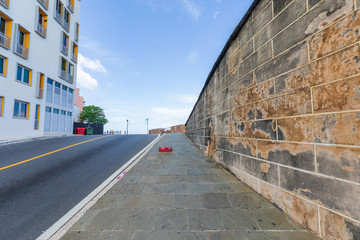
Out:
{"x": 58, "y": 229}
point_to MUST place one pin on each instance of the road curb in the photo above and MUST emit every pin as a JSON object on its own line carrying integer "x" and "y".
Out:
{"x": 59, "y": 228}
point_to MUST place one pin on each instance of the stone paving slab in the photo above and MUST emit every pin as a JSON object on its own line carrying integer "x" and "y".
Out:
{"x": 183, "y": 195}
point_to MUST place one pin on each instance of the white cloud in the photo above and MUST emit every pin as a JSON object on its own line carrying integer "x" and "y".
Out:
{"x": 192, "y": 9}
{"x": 163, "y": 117}
{"x": 218, "y": 1}
{"x": 216, "y": 14}
{"x": 84, "y": 78}
{"x": 193, "y": 57}
{"x": 184, "y": 98}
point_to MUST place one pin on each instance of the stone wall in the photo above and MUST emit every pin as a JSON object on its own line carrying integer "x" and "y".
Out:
{"x": 281, "y": 110}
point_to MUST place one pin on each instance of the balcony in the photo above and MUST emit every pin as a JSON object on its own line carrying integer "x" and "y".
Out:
{"x": 63, "y": 74}
{"x": 40, "y": 93}
{"x": 58, "y": 17}
{"x": 5, "y": 41}
{"x": 74, "y": 58}
{"x": 22, "y": 51}
{"x": 71, "y": 6}
{"x": 44, "y": 3}
{"x": 66, "y": 25}
{"x": 64, "y": 50}
{"x": 41, "y": 30}
{"x": 5, "y": 3}
{"x": 70, "y": 78}
{"x": 77, "y": 36}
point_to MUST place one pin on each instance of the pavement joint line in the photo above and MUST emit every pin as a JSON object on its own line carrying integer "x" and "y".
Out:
{"x": 59, "y": 228}
{"x": 49, "y": 153}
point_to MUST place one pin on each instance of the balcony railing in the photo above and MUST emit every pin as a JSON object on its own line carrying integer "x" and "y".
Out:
{"x": 66, "y": 25}
{"x": 71, "y": 6}
{"x": 58, "y": 17}
{"x": 64, "y": 50}
{"x": 22, "y": 51}
{"x": 41, "y": 30}
{"x": 44, "y": 3}
{"x": 74, "y": 57}
{"x": 76, "y": 36}
{"x": 5, "y": 3}
{"x": 40, "y": 93}
{"x": 70, "y": 78}
{"x": 36, "y": 125}
{"x": 63, "y": 74}
{"x": 5, "y": 40}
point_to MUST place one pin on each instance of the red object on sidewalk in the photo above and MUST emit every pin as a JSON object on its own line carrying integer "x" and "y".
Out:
{"x": 165, "y": 149}
{"x": 80, "y": 131}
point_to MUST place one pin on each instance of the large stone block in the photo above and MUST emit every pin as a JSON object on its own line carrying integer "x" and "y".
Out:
{"x": 247, "y": 50}
{"x": 338, "y": 96}
{"x": 341, "y": 162}
{"x": 334, "y": 226}
{"x": 263, "y": 129}
{"x": 337, "y": 66}
{"x": 302, "y": 211}
{"x": 292, "y": 154}
{"x": 263, "y": 170}
{"x": 291, "y": 59}
{"x": 232, "y": 159}
{"x": 242, "y": 145}
{"x": 295, "y": 10}
{"x": 242, "y": 83}
{"x": 339, "y": 35}
{"x": 260, "y": 20}
{"x": 330, "y": 129}
{"x": 337, "y": 195}
{"x": 260, "y": 7}
{"x": 315, "y": 20}
{"x": 358, "y": 4}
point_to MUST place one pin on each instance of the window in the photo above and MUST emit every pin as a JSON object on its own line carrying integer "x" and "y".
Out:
{"x": 3, "y": 66}
{"x": 71, "y": 73}
{"x": 1, "y": 106}
{"x": 47, "y": 123}
{"x": 21, "y": 109}
{"x": 23, "y": 74}
{"x": 74, "y": 52}
{"x": 58, "y": 11}
{"x": 41, "y": 25}
{"x": 37, "y": 117}
{"x": 77, "y": 32}
{"x": 70, "y": 98}
{"x": 49, "y": 91}
{"x": 55, "y": 120}
{"x": 66, "y": 20}
{"x": 44, "y": 3}
{"x": 57, "y": 94}
{"x": 40, "y": 89}
{"x": 5, "y": 30}
{"x": 71, "y": 5}
{"x": 64, "y": 96}
{"x": 63, "y": 68}
{"x": 68, "y": 121}
{"x": 64, "y": 43}
{"x": 23, "y": 42}
{"x": 62, "y": 120}
{"x": 5, "y": 3}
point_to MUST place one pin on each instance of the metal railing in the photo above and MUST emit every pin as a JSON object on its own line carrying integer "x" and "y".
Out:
{"x": 58, "y": 17}
{"x": 44, "y": 3}
{"x": 40, "y": 93}
{"x": 66, "y": 25}
{"x": 36, "y": 126}
{"x": 64, "y": 50}
{"x": 5, "y": 41}
{"x": 22, "y": 51}
{"x": 74, "y": 57}
{"x": 70, "y": 78}
{"x": 63, "y": 74}
{"x": 41, "y": 30}
{"x": 5, "y": 3}
{"x": 71, "y": 6}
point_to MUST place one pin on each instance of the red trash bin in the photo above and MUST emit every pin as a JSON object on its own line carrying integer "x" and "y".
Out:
{"x": 80, "y": 131}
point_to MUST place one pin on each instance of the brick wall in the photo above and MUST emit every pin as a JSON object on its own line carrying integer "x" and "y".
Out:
{"x": 281, "y": 110}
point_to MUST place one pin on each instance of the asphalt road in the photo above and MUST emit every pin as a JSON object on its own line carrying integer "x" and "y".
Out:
{"x": 37, "y": 193}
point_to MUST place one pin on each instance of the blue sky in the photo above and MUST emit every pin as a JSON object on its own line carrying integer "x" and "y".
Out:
{"x": 150, "y": 58}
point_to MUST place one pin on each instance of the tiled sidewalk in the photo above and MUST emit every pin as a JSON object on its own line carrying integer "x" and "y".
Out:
{"x": 183, "y": 195}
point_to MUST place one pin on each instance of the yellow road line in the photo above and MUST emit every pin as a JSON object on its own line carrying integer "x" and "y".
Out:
{"x": 43, "y": 155}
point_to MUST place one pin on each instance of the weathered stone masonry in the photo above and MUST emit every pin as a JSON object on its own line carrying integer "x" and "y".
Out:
{"x": 281, "y": 110}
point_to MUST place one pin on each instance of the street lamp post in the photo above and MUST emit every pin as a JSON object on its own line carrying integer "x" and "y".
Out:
{"x": 147, "y": 124}
{"x": 127, "y": 126}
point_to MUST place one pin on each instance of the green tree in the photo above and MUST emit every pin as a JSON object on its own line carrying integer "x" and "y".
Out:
{"x": 93, "y": 114}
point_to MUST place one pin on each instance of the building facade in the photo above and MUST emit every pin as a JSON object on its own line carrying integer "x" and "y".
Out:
{"x": 38, "y": 58}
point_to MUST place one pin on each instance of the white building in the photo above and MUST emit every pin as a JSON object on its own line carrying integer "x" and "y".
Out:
{"x": 38, "y": 56}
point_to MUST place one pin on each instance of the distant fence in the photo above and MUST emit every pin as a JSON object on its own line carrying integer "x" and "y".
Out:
{"x": 98, "y": 128}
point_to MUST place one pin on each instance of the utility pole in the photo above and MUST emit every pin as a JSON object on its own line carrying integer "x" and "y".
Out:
{"x": 127, "y": 126}
{"x": 147, "y": 123}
